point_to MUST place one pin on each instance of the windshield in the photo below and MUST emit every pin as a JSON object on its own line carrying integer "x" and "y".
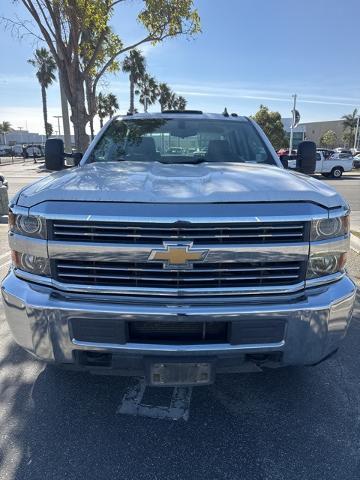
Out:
{"x": 181, "y": 141}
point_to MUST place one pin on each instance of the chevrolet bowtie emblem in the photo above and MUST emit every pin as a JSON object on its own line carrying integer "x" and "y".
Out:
{"x": 178, "y": 256}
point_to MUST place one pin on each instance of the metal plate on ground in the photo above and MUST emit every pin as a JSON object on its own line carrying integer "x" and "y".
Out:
{"x": 180, "y": 373}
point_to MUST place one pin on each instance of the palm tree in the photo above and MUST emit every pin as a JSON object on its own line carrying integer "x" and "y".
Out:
{"x": 148, "y": 91}
{"x": 171, "y": 105}
{"x": 180, "y": 103}
{"x": 46, "y": 66}
{"x": 135, "y": 65}
{"x": 5, "y": 127}
{"x": 349, "y": 123}
{"x": 102, "y": 108}
{"x": 106, "y": 106}
{"x": 164, "y": 95}
{"x": 112, "y": 104}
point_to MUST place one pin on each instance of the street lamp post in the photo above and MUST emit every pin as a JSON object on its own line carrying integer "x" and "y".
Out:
{"x": 58, "y": 121}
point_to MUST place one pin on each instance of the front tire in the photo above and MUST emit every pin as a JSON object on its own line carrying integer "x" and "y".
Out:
{"x": 337, "y": 172}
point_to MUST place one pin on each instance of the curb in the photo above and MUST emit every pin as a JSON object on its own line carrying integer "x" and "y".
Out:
{"x": 355, "y": 243}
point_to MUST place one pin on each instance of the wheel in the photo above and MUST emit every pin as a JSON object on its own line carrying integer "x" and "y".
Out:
{"x": 336, "y": 172}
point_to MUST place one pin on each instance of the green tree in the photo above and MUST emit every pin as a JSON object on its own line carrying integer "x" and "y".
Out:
{"x": 350, "y": 120}
{"x": 164, "y": 95}
{"x": 135, "y": 65}
{"x": 106, "y": 106}
{"x": 348, "y": 139}
{"x": 5, "y": 127}
{"x": 349, "y": 126}
{"x": 272, "y": 125}
{"x": 329, "y": 139}
{"x": 102, "y": 108}
{"x": 147, "y": 90}
{"x": 112, "y": 105}
{"x": 180, "y": 103}
{"x": 45, "y": 71}
{"x": 83, "y": 58}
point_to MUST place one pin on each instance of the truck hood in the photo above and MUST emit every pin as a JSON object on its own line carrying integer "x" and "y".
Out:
{"x": 153, "y": 182}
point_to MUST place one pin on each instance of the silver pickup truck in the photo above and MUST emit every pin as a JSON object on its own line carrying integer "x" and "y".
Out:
{"x": 178, "y": 248}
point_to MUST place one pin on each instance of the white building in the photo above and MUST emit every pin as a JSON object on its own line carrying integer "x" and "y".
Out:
{"x": 18, "y": 137}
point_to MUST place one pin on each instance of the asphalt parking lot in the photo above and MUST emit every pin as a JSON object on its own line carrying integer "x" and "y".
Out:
{"x": 294, "y": 423}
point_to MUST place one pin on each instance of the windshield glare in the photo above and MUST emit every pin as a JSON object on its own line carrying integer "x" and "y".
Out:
{"x": 181, "y": 141}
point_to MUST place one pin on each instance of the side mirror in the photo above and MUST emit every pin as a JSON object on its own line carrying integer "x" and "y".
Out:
{"x": 54, "y": 154}
{"x": 306, "y": 157}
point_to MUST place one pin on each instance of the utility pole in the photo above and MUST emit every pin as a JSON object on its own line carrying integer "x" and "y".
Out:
{"x": 58, "y": 121}
{"x": 356, "y": 133}
{"x": 292, "y": 125}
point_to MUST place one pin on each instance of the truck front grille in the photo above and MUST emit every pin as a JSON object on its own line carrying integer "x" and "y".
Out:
{"x": 203, "y": 275}
{"x": 156, "y": 233}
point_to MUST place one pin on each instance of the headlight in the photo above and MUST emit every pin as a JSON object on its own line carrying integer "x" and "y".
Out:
{"x": 28, "y": 225}
{"x": 31, "y": 263}
{"x": 329, "y": 228}
{"x": 325, "y": 264}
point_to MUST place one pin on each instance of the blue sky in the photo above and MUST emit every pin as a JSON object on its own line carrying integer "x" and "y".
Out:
{"x": 250, "y": 52}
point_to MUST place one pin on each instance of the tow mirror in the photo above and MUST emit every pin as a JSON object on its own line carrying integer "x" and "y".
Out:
{"x": 54, "y": 154}
{"x": 306, "y": 157}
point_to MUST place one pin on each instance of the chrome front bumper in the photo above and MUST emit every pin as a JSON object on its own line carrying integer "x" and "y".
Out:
{"x": 316, "y": 321}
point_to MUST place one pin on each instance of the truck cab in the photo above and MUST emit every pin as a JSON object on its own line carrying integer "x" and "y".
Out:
{"x": 178, "y": 248}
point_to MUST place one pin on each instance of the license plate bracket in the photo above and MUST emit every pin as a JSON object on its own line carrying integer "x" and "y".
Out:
{"x": 179, "y": 372}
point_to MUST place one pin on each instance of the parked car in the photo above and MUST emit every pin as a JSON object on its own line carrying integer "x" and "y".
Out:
{"x": 330, "y": 163}
{"x": 5, "y": 151}
{"x": 17, "y": 150}
{"x": 179, "y": 268}
{"x": 334, "y": 164}
{"x": 4, "y": 200}
{"x": 357, "y": 161}
{"x": 33, "y": 151}
{"x": 175, "y": 151}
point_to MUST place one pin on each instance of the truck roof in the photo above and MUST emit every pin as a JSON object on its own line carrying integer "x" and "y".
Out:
{"x": 191, "y": 114}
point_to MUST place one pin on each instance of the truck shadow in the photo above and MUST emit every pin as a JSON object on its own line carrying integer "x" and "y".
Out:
{"x": 291, "y": 423}
{"x": 283, "y": 424}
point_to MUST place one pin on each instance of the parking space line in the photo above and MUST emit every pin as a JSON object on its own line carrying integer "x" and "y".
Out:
{"x": 7, "y": 254}
{"x": 179, "y": 408}
{"x": 5, "y": 264}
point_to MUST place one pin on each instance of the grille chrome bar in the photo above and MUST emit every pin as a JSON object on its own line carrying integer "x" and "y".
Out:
{"x": 239, "y": 274}
{"x": 159, "y": 279}
{"x": 206, "y": 270}
{"x": 153, "y": 233}
{"x": 160, "y": 237}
